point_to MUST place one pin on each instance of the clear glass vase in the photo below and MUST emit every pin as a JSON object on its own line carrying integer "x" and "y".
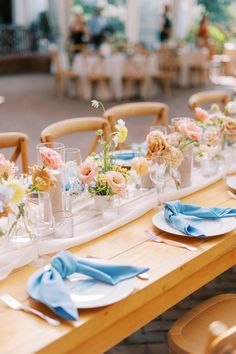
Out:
{"x": 209, "y": 167}
{"x": 108, "y": 206}
{"x": 19, "y": 232}
{"x": 186, "y": 167}
{"x": 3, "y": 231}
{"x": 56, "y": 171}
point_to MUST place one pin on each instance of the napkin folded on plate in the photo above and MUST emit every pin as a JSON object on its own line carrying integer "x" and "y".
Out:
{"x": 47, "y": 285}
{"x": 174, "y": 214}
{"x": 124, "y": 155}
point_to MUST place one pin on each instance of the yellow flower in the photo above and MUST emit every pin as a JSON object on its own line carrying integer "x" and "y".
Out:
{"x": 123, "y": 131}
{"x": 102, "y": 178}
{"x": 19, "y": 191}
{"x": 139, "y": 164}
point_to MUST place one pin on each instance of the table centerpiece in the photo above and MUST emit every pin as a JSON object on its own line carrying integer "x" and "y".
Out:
{"x": 104, "y": 179}
{"x": 14, "y": 225}
{"x": 219, "y": 125}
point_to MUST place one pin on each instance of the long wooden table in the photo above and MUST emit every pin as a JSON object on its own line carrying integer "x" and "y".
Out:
{"x": 174, "y": 274}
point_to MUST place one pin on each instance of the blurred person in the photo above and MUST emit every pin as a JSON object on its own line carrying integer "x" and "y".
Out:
{"x": 203, "y": 40}
{"x": 202, "y": 36}
{"x": 97, "y": 25}
{"x": 79, "y": 34}
{"x": 165, "y": 32}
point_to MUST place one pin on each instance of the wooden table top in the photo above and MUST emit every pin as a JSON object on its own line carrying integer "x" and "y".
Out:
{"x": 174, "y": 274}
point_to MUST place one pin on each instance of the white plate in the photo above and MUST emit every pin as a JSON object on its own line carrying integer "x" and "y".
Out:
{"x": 88, "y": 293}
{"x": 209, "y": 227}
{"x": 231, "y": 182}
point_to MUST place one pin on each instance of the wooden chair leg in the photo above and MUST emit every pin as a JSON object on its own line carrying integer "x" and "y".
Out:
{"x": 60, "y": 87}
{"x": 56, "y": 86}
{"x": 166, "y": 87}
{"x": 24, "y": 155}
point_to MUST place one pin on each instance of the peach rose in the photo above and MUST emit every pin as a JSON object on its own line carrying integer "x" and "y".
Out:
{"x": 116, "y": 181}
{"x": 189, "y": 128}
{"x": 42, "y": 179}
{"x": 87, "y": 171}
{"x": 212, "y": 136}
{"x": 230, "y": 128}
{"x": 50, "y": 158}
{"x": 176, "y": 156}
{"x": 201, "y": 114}
{"x": 156, "y": 142}
{"x": 139, "y": 164}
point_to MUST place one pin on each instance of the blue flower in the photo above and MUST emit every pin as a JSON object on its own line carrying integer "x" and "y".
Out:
{"x": 6, "y": 193}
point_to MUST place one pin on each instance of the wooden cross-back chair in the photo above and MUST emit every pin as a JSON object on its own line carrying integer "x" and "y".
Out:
{"x": 202, "y": 98}
{"x": 75, "y": 125}
{"x": 61, "y": 74}
{"x": 19, "y": 141}
{"x": 131, "y": 110}
{"x": 209, "y": 328}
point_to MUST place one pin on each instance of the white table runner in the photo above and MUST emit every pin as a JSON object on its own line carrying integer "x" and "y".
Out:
{"x": 88, "y": 224}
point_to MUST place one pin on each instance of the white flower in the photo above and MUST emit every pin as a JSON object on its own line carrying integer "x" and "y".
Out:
{"x": 231, "y": 107}
{"x": 95, "y": 103}
{"x": 119, "y": 124}
{"x": 116, "y": 139}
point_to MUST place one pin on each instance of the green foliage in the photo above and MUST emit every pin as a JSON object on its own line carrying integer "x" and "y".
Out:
{"x": 218, "y": 36}
{"x": 217, "y": 10}
{"x": 114, "y": 24}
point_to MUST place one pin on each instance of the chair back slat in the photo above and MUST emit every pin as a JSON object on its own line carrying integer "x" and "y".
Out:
{"x": 19, "y": 141}
{"x": 128, "y": 110}
{"x": 208, "y": 97}
{"x": 75, "y": 125}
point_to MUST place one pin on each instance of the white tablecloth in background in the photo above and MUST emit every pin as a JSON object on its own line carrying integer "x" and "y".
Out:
{"x": 188, "y": 59}
{"x": 114, "y": 67}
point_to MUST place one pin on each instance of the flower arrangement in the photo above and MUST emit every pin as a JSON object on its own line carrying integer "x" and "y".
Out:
{"x": 13, "y": 189}
{"x": 219, "y": 130}
{"x": 185, "y": 132}
{"x": 7, "y": 168}
{"x": 157, "y": 142}
{"x": 99, "y": 172}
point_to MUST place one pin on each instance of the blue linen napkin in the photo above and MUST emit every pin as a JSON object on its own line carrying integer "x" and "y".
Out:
{"x": 174, "y": 211}
{"x": 47, "y": 286}
{"x": 124, "y": 155}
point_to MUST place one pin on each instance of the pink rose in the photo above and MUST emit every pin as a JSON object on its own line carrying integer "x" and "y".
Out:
{"x": 201, "y": 114}
{"x": 87, "y": 171}
{"x": 116, "y": 181}
{"x": 50, "y": 158}
{"x": 189, "y": 128}
{"x": 7, "y": 168}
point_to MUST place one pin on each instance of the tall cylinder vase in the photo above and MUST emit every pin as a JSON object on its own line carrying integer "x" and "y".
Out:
{"x": 186, "y": 167}
{"x": 53, "y": 158}
{"x": 57, "y": 192}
